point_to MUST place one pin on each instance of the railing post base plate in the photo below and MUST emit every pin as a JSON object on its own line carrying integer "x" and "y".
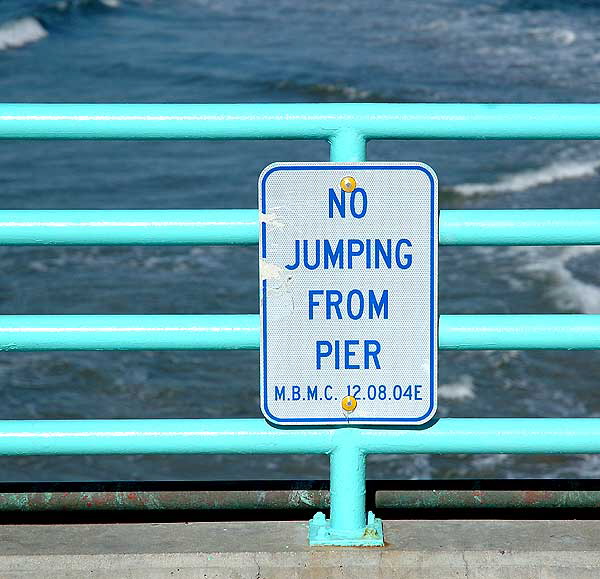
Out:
{"x": 320, "y": 533}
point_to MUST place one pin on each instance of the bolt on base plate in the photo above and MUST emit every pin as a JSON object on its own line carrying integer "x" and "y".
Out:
{"x": 321, "y": 533}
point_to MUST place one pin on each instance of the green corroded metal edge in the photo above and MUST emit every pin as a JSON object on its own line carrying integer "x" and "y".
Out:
{"x": 321, "y": 533}
{"x": 296, "y": 495}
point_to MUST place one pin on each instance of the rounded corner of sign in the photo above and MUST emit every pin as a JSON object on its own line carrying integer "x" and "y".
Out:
{"x": 268, "y": 416}
{"x": 427, "y": 169}
{"x": 264, "y": 174}
{"x": 276, "y": 421}
{"x": 429, "y": 416}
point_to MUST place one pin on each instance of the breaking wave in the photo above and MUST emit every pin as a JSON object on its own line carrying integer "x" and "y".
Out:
{"x": 569, "y": 293}
{"x": 64, "y": 5}
{"x": 523, "y": 180}
{"x": 29, "y": 29}
{"x": 462, "y": 389}
{"x": 560, "y": 36}
{"x": 348, "y": 93}
{"x": 21, "y": 32}
{"x": 333, "y": 91}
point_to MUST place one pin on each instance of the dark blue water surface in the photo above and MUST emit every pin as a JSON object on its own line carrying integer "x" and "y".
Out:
{"x": 254, "y": 51}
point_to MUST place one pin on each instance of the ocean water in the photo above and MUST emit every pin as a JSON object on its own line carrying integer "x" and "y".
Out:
{"x": 254, "y": 51}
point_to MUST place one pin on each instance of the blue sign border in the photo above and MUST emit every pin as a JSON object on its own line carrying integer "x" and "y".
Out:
{"x": 432, "y": 307}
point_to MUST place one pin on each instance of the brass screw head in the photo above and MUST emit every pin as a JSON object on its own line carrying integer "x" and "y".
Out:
{"x": 349, "y": 403}
{"x": 348, "y": 184}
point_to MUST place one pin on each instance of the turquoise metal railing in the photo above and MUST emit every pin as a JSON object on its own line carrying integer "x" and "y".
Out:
{"x": 347, "y": 127}
{"x": 241, "y": 332}
{"x": 240, "y": 227}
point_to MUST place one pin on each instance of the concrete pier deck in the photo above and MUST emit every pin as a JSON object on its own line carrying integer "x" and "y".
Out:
{"x": 273, "y": 550}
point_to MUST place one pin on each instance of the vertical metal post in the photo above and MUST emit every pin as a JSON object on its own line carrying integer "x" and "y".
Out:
{"x": 348, "y": 524}
{"x": 347, "y": 463}
{"x": 347, "y": 145}
{"x": 347, "y": 472}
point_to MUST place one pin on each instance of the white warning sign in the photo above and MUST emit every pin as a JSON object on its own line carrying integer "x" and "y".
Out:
{"x": 348, "y": 293}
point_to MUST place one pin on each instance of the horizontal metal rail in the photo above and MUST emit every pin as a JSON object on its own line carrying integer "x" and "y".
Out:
{"x": 134, "y": 498}
{"x": 166, "y": 498}
{"x": 241, "y": 332}
{"x": 129, "y": 227}
{"x": 300, "y": 121}
{"x": 240, "y": 227}
{"x": 477, "y": 499}
{"x": 255, "y": 436}
{"x": 519, "y": 227}
{"x": 129, "y": 332}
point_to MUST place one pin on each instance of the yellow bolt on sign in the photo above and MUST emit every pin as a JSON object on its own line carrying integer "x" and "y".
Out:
{"x": 349, "y": 403}
{"x": 348, "y": 184}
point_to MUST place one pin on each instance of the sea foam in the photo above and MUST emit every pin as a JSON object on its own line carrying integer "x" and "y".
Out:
{"x": 17, "y": 33}
{"x": 462, "y": 389}
{"x": 523, "y": 180}
{"x": 561, "y": 285}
